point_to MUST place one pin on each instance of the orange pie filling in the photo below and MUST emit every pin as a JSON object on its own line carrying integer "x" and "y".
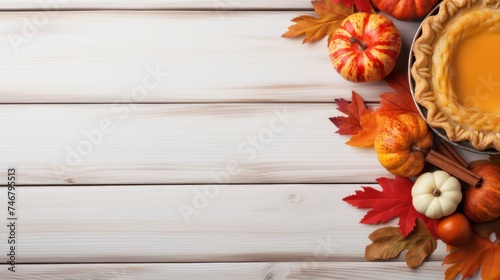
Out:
{"x": 465, "y": 72}
{"x": 475, "y": 72}
{"x": 457, "y": 71}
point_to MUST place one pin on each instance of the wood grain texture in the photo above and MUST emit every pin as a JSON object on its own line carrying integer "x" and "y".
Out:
{"x": 238, "y": 223}
{"x": 106, "y": 57}
{"x": 131, "y": 189}
{"x": 180, "y": 144}
{"x": 155, "y": 4}
{"x": 229, "y": 271}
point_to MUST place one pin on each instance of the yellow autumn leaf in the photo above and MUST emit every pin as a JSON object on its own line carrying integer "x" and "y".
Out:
{"x": 330, "y": 16}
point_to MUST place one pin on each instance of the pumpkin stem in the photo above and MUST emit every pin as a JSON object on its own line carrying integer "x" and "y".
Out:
{"x": 415, "y": 148}
{"x": 362, "y": 46}
{"x": 436, "y": 193}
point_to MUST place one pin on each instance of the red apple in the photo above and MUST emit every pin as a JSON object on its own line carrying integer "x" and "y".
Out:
{"x": 365, "y": 47}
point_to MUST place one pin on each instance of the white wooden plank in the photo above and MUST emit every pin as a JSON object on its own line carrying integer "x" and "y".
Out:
{"x": 248, "y": 223}
{"x": 229, "y": 271}
{"x": 104, "y": 57}
{"x": 155, "y": 4}
{"x": 164, "y": 144}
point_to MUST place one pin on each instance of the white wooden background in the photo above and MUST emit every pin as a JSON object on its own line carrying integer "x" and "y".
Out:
{"x": 68, "y": 68}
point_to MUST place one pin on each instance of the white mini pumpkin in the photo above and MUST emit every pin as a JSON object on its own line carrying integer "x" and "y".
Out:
{"x": 436, "y": 194}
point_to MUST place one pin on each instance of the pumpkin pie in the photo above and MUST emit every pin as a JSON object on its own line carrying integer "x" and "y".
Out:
{"x": 457, "y": 71}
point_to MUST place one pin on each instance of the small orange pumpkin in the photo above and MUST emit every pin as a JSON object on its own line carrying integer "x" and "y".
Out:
{"x": 406, "y": 9}
{"x": 454, "y": 230}
{"x": 402, "y": 145}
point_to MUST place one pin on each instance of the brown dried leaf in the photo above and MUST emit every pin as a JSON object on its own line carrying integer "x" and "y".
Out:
{"x": 388, "y": 243}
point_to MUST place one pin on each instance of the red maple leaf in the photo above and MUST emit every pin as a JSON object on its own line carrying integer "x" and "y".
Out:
{"x": 399, "y": 102}
{"x": 361, "y": 5}
{"x": 393, "y": 201}
{"x": 355, "y": 109}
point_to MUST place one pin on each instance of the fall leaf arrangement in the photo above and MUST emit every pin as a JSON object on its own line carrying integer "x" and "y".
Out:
{"x": 435, "y": 193}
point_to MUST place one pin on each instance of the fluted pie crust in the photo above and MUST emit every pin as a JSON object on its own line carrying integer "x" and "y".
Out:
{"x": 434, "y": 52}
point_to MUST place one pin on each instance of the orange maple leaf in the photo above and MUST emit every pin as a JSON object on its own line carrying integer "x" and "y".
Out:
{"x": 479, "y": 252}
{"x": 399, "y": 102}
{"x": 370, "y": 125}
{"x": 315, "y": 28}
{"x": 354, "y": 110}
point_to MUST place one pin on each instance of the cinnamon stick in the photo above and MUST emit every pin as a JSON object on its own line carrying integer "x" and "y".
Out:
{"x": 447, "y": 150}
{"x": 453, "y": 167}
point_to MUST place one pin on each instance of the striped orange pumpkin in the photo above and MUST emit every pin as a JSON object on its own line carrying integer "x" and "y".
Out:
{"x": 406, "y": 9}
{"x": 365, "y": 47}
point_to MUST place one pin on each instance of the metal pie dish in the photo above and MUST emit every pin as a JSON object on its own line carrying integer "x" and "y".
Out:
{"x": 464, "y": 145}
